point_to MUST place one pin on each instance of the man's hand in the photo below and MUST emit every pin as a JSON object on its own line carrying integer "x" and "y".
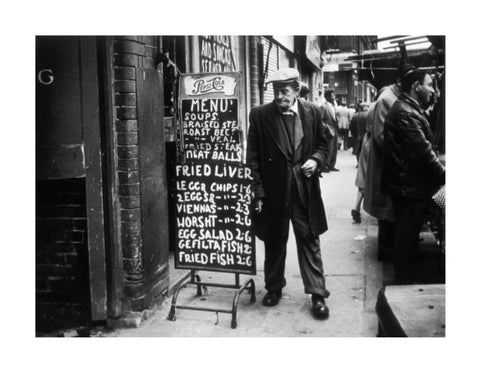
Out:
{"x": 309, "y": 167}
{"x": 258, "y": 205}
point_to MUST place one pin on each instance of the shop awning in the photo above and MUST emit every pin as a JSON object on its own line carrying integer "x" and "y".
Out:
{"x": 379, "y": 67}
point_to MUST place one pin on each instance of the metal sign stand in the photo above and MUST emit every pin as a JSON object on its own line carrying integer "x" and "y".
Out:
{"x": 195, "y": 280}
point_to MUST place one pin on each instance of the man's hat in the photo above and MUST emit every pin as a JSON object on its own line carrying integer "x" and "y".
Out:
{"x": 405, "y": 69}
{"x": 284, "y": 75}
{"x": 329, "y": 93}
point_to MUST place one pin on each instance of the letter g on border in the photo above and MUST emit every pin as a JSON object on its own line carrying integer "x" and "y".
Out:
{"x": 49, "y": 75}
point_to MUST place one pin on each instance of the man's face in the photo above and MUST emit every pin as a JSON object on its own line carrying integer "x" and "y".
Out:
{"x": 284, "y": 96}
{"x": 425, "y": 91}
{"x": 330, "y": 98}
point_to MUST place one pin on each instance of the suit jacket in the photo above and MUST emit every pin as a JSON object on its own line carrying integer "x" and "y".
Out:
{"x": 328, "y": 116}
{"x": 274, "y": 162}
{"x": 344, "y": 117}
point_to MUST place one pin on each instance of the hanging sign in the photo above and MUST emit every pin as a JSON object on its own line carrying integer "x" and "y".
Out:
{"x": 213, "y": 186}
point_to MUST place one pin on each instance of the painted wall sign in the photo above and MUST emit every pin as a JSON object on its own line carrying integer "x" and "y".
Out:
{"x": 213, "y": 186}
{"x": 216, "y": 54}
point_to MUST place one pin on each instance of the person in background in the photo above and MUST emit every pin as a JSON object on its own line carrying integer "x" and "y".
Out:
{"x": 376, "y": 203}
{"x": 358, "y": 126}
{"x": 358, "y": 105}
{"x": 411, "y": 171}
{"x": 286, "y": 149}
{"x": 330, "y": 120}
{"x": 304, "y": 91}
{"x": 437, "y": 118}
{"x": 343, "y": 114}
{"x": 351, "y": 112}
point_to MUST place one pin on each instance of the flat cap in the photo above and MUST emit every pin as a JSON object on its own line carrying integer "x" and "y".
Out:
{"x": 284, "y": 75}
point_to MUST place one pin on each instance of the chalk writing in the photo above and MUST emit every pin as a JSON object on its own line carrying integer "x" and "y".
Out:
{"x": 213, "y": 187}
{"x": 211, "y": 130}
{"x": 216, "y": 54}
{"x": 213, "y": 217}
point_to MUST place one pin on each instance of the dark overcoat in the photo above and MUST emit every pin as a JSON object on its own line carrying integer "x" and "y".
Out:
{"x": 270, "y": 156}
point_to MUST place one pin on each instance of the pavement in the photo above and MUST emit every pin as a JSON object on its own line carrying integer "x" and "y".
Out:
{"x": 353, "y": 276}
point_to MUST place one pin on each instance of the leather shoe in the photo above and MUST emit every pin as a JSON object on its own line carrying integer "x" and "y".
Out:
{"x": 356, "y": 216}
{"x": 272, "y": 298}
{"x": 319, "y": 308}
{"x": 334, "y": 169}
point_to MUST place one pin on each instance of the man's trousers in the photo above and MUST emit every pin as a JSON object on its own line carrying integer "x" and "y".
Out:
{"x": 308, "y": 251}
{"x": 409, "y": 218}
{"x": 332, "y": 151}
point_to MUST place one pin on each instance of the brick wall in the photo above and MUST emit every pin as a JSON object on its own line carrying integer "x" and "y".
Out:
{"x": 62, "y": 272}
{"x": 130, "y": 53}
{"x": 62, "y": 286}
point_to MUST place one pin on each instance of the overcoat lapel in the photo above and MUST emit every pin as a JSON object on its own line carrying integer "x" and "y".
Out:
{"x": 306, "y": 117}
{"x": 278, "y": 132}
{"x": 331, "y": 113}
{"x": 298, "y": 131}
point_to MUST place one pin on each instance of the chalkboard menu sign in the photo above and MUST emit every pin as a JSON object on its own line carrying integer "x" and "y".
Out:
{"x": 213, "y": 186}
{"x": 211, "y": 130}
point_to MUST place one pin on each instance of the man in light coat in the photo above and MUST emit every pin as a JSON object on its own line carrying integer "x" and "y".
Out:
{"x": 330, "y": 120}
{"x": 344, "y": 117}
{"x": 286, "y": 149}
{"x": 376, "y": 203}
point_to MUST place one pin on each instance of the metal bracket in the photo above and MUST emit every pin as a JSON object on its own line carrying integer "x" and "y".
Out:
{"x": 195, "y": 280}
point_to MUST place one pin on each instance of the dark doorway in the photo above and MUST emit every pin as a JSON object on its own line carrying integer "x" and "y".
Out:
{"x": 70, "y": 249}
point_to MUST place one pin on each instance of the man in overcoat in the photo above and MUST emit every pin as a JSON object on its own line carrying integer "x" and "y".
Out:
{"x": 328, "y": 110}
{"x": 286, "y": 149}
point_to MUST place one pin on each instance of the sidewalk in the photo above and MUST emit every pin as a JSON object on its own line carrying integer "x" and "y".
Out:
{"x": 354, "y": 277}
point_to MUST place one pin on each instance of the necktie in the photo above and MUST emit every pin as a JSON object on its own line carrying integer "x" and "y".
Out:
{"x": 289, "y": 122}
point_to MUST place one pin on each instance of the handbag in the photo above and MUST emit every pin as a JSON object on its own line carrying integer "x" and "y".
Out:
{"x": 438, "y": 199}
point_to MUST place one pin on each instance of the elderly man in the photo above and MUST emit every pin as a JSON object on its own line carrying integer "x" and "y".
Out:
{"x": 286, "y": 149}
{"x": 411, "y": 170}
{"x": 330, "y": 120}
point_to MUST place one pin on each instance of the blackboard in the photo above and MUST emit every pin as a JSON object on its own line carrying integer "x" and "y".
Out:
{"x": 213, "y": 186}
{"x": 211, "y": 130}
